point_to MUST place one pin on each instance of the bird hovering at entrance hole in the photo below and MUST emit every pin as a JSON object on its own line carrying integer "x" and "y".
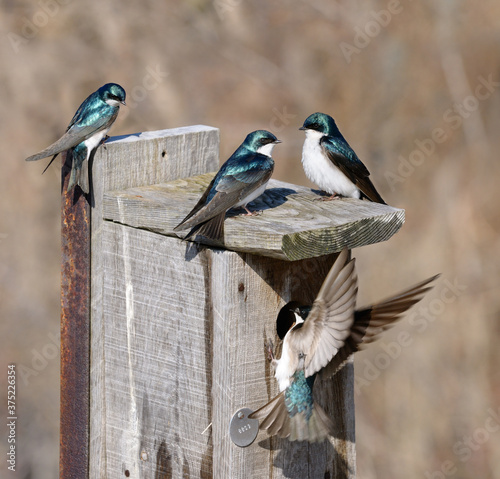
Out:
{"x": 317, "y": 340}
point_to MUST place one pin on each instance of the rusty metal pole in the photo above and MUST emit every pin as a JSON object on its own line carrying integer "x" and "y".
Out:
{"x": 75, "y": 331}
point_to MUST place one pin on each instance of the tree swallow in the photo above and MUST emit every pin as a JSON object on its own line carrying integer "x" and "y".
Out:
{"x": 331, "y": 163}
{"x": 241, "y": 179}
{"x": 317, "y": 342}
{"x": 87, "y": 129}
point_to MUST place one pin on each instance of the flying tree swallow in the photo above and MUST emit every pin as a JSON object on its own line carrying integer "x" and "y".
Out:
{"x": 317, "y": 340}
{"x": 240, "y": 180}
{"x": 87, "y": 129}
{"x": 331, "y": 163}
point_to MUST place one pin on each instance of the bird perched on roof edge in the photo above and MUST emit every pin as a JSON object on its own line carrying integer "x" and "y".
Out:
{"x": 331, "y": 163}
{"x": 240, "y": 180}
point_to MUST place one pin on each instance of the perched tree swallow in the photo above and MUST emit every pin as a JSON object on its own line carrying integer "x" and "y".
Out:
{"x": 87, "y": 129}
{"x": 331, "y": 163}
{"x": 318, "y": 340}
{"x": 241, "y": 179}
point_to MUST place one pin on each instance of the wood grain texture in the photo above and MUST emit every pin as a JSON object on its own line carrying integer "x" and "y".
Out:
{"x": 293, "y": 225}
{"x": 247, "y": 294}
{"x": 184, "y": 330}
{"x": 157, "y": 339}
{"x": 178, "y": 329}
{"x": 125, "y": 162}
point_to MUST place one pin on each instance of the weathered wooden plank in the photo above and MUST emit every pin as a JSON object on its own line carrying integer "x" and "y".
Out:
{"x": 125, "y": 162}
{"x": 157, "y": 339}
{"x": 294, "y": 224}
{"x": 247, "y": 294}
{"x": 178, "y": 330}
{"x": 184, "y": 341}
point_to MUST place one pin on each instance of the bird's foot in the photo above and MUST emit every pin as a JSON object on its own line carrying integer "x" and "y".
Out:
{"x": 269, "y": 347}
{"x": 335, "y": 196}
{"x": 251, "y": 213}
{"x": 104, "y": 140}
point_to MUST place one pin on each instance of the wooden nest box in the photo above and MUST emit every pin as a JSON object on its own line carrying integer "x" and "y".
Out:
{"x": 169, "y": 338}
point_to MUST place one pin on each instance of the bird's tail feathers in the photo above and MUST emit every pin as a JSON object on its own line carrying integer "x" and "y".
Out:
{"x": 83, "y": 181}
{"x": 79, "y": 168}
{"x": 74, "y": 177}
{"x": 80, "y": 177}
{"x": 275, "y": 420}
{"x": 213, "y": 229}
{"x": 316, "y": 429}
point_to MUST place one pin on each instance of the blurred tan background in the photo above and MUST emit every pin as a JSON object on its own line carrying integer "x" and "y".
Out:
{"x": 415, "y": 89}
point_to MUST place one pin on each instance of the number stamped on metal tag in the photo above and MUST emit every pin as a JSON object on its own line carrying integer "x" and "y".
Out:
{"x": 243, "y": 430}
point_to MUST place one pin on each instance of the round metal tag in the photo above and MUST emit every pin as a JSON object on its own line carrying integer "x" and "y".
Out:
{"x": 243, "y": 430}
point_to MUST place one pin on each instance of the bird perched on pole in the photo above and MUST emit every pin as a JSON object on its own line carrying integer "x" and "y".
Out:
{"x": 85, "y": 132}
{"x": 318, "y": 340}
{"x": 240, "y": 180}
{"x": 331, "y": 163}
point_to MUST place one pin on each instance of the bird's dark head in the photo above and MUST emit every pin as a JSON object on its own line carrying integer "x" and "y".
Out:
{"x": 112, "y": 94}
{"x": 321, "y": 123}
{"x": 287, "y": 317}
{"x": 261, "y": 141}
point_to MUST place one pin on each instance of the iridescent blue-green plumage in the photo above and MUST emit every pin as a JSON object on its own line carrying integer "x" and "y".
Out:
{"x": 299, "y": 396}
{"x": 294, "y": 414}
{"x": 88, "y": 127}
{"x": 317, "y": 341}
{"x": 244, "y": 167}
{"x": 95, "y": 114}
{"x": 336, "y": 149}
{"x": 241, "y": 179}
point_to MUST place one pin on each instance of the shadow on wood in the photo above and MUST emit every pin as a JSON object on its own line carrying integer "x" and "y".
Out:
{"x": 178, "y": 329}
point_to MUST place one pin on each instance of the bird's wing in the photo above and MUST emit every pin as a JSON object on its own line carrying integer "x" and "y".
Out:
{"x": 67, "y": 141}
{"x": 345, "y": 159}
{"x": 244, "y": 181}
{"x": 92, "y": 117}
{"x": 371, "y": 321}
{"x": 328, "y": 324}
{"x": 78, "y": 130}
{"x": 206, "y": 209}
{"x": 199, "y": 205}
{"x": 226, "y": 190}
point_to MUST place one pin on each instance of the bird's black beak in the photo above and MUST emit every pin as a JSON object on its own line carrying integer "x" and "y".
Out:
{"x": 302, "y": 128}
{"x": 277, "y": 141}
{"x": 123, "y": 103}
